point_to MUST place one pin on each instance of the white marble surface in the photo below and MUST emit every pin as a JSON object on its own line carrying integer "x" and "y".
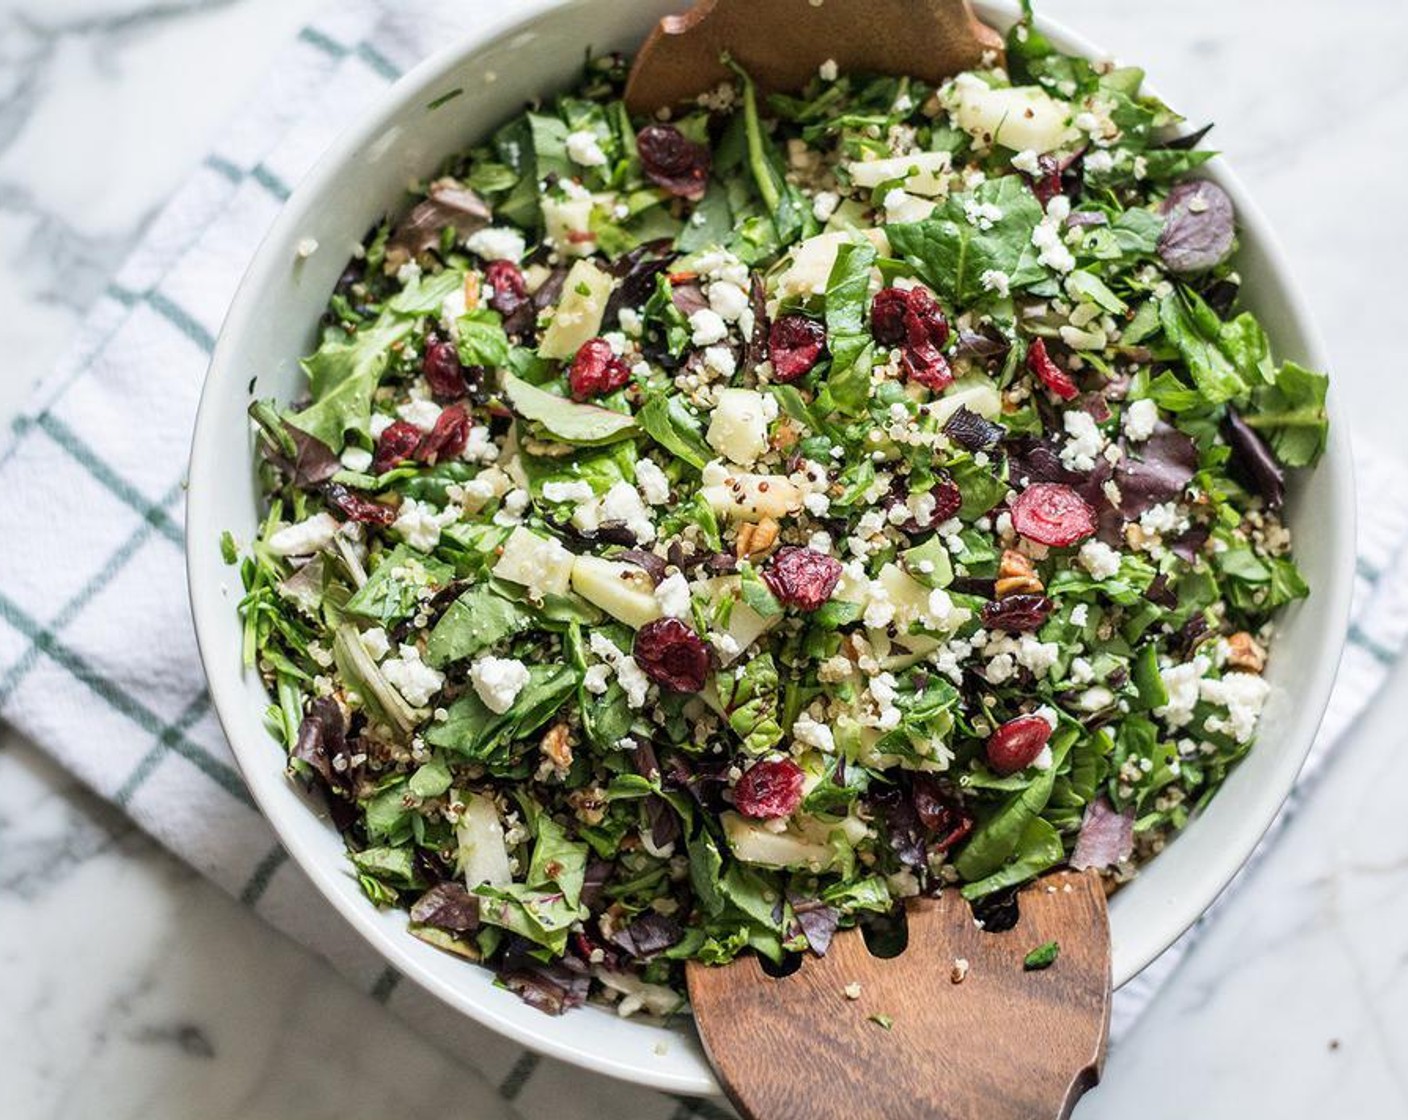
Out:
{"x": 130, "y": 988}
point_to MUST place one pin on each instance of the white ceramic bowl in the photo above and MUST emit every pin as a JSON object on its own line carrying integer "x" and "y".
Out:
{"x": 535, "y": 49}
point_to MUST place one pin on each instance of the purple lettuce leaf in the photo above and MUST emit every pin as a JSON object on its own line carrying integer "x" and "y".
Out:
{"x": 1106, "y": 837}
{"x": 1199, "y": 228}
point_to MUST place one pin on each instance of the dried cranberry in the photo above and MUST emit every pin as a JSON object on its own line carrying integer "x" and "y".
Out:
{"x": 769, "y": 789}
{"x": 948, "y": 500}
{"x": 1053, "y": 514}
{"x": 913, "y": 320}
{"x": 443, "y": 371}
{"x": 510, "y": 289}
{"x": 397, "y": 443}
{"x": 357, "y": 506}
{"x": 1040, "y": 365}
{"x": 924, "y": 321}
{"x": 802, "y": 577}
{"x": 672, "y": 161}
{"x": 940, "y": 814}
{"x": 887, "y": 316}
{"x": 930, "y": 370}
{"x": 596, "y": 370}
{"x": 447, "y": 439}
{"x": 1016, "y": 613}
{"x": 672, "y": 655}
{"x": 795, "y": 344}
{"x": 1015, "y": 745}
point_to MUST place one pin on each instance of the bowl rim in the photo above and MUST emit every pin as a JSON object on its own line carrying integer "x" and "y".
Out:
{"x": 206, "y": 599}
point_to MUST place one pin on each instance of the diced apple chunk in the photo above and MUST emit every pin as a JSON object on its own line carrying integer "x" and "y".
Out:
{"x": 1020, "y": 117}
{"x": 623, "y": 591}
{"x": 567, "y": 225}
{"x": 483, "y": 854}
{"x": 753, "y": 842}
{"x": 738, "y": 429}
{"x": 810, "y": 265}
{"x": 578, "y": 316}
{"x": 541, "y": 564}
{"x": 745, "y": 625}
{"x": 922, "y": 172}
{"x": 742, "y": 496}
{"x": 975, "y": 392}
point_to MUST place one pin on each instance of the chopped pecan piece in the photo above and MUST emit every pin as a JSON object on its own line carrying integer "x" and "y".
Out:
{"x": 755, "y": 538}
{"x": 1245, "y": 653}
{"x": 1016, "y": 576}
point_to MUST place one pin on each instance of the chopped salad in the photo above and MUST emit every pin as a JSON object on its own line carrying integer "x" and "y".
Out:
{"x": 702, "y": 534}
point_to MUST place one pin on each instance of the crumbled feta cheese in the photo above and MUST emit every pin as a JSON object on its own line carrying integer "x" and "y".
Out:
{"x": 374, "y": 641}
{"x": 583, "y": 148}
{"x": 1036, "y": 655}
{"x": 379, "y": 423}
{"x": 419, "y": 524}
{"x": 653, "y": 483}
{"x": 568, "y": 491}
{"x": 828, "y": 71}
{"x": 497, "y": 243}
{"x": 305, "y": 537}
{"x": 1181, "y": 684}
{"x": 1084, "y": 441}
{"x": 673, "y": 595}
{"x": 810, "y": 733}
{"x": 412, "y": 678}
{"x": 728, "y": 300}
{"x": 596, "y": 679}
{"x": 630, "y": 321}
{"x": 1243, "y": 695}
{"x": 419, "y": 414}
{"x": 1139, "y": 420}
{"x": 1051, "y": 249}
{"x": 883, "y": 691}
{"x": 1163, "y": 519}
{"x": 824, "y": 204}
{"x": 1080, "y": 614}
{"x": 1027, "y": 160}
{"x": 982, "y": 214}
{"x": 1099, "y": 162}
{"x": 995, "y": 280}
{"x": 719, "y": 360}
{"x": 632, "y": 678}
{"x": 622, "y": 503}
{"x": 498, "y": 681}
{"x": 707, "y": 327}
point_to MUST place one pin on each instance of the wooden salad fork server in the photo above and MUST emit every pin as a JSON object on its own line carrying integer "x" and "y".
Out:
{"x": 782, "y": 43}
{"x": 956, "y": 1027}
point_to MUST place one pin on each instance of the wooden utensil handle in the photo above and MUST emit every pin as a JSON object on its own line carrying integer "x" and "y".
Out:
{"x": 781, "y": 43}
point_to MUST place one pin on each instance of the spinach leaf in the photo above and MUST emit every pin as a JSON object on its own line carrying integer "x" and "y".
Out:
{"x": 567, "y": 420}
{"x": 482, "y": 341}
{"x": 666, "y": 420}
{"x": 471, "y": 729}
{"x": 476, "y": 620}
{"x": 392, "y": 591}
{"x": 847, "y": 337}
{"x": 749, "y": 698}
{"x": 951, "y": 253}
{"x": 1290, "y": 414}
{"x": 1005, "y": 834}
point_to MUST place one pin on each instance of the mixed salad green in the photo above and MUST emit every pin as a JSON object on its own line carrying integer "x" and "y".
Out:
{"x": 702, "y": 534}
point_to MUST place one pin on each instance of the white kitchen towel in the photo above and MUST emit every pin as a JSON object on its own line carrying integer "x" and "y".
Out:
{"x": 97, "y": 659}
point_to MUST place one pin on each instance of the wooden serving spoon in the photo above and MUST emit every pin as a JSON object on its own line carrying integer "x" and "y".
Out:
{"x": 781, "y": 43}
{"x": 954, "y": 1028}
